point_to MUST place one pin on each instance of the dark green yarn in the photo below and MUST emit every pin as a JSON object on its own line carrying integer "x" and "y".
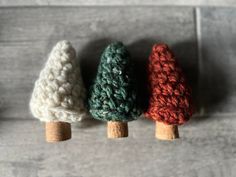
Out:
{"x": 113, "y": 95}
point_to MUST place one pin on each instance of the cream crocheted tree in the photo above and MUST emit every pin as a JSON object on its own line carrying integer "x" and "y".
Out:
{"x": 59, "y": 93}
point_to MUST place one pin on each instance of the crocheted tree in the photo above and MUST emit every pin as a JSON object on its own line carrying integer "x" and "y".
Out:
{"x": 170, "y": 102}
{"x": 59, "y": 93}
{"x": 113, "y": 96}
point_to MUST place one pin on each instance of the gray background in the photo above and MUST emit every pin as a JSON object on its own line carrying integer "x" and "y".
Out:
{"x": 203, "y": 37}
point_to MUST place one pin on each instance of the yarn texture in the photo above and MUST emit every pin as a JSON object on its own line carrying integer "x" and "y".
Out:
{"x": 59, "y": 92}
{"x": 113, "y": 96}
{"x": 170, "y": 99}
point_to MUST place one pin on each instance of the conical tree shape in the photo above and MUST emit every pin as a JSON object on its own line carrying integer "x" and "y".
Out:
{"x": 170, "y": 96}
{"x": 59, "y": 93}
{"x": 113, "y": 96}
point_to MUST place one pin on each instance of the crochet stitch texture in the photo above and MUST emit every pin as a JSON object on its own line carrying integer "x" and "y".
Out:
{"x": 59, "y": 92}
{"x": 113, "y": 96}
{"x": 170, "y": 96}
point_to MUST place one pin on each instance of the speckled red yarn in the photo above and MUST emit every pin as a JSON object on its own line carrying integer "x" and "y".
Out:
{"x": 170, "y": 96}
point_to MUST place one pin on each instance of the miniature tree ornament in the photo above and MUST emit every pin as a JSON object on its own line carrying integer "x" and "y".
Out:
{"x": 59, "y": 94}
{"x": 170, "y": 102}
{"x": 113, "y": 97}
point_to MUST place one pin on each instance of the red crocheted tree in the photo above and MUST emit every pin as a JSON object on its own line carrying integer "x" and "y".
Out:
{"x": 170, "y": 102}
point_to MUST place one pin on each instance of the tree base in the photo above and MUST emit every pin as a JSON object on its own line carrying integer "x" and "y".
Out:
{"x": 117, "y": 129}
{"x": 57, "y": 131}
{"x": 166, "y": 132}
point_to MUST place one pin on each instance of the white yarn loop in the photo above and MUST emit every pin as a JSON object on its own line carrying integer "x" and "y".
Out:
{"x": 59, "y": 92}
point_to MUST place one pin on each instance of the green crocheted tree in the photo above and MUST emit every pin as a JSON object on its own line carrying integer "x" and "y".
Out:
{"x": 113, "y": 96}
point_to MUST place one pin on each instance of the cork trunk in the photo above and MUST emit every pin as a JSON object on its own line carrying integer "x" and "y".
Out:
{"x": 166, "y": 132}
{"x": 57, "y": 131}
{"x": 117, "y": 129}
